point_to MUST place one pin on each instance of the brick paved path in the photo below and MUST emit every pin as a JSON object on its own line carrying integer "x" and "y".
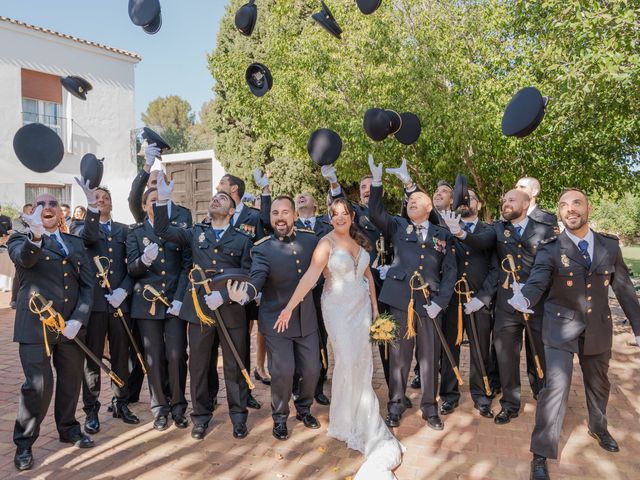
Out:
{"x": 470, "y": 447}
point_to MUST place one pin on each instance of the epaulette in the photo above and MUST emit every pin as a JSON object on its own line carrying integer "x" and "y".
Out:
{"x": 610, "y": 235}
{"x": 549, "y": 222}
{"x": 246, "y": 234}
{"x": 305, "y": 230}
{"x": 262, "y": 240}
{"x": 548, "y": 240}
{"x": 133, "y": 226}
{"x": 203, "y": 225}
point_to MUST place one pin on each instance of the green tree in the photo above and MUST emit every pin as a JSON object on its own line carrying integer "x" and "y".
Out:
{"x": 453, "y": 63}
{"x": 172, "y": 118}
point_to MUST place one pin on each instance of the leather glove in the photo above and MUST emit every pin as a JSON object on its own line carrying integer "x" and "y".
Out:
{"x": 116, "y": 297}
{"x": 453, "y": 222}
{"x": 150, "y": 254}
{"x": 175, "y": 307}
{"x": 401, "y": 172}
{"x": 520, "y": 302}
{"x": 71, "y": 329}
{"x": 383, "y": 269}
{"x": 164, "y": 190}
{"x": 213, "y": 300}
{"x": 376, "y": 172}
{"x": 151, "y": 153}
{"x": 238, "y": 292}
{"x": 258, "y": 298}
{"x": 90, "y": 193}
{"x": 261, "y": 179}
{"x": 433, "y": 309}
{"x": 329, "y": 172}
{"x": 473, "y": 306}
{"x": 34, "y": 221}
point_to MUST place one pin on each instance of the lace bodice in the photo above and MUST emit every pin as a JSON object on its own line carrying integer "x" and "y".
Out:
{"x": 343, "y": 270}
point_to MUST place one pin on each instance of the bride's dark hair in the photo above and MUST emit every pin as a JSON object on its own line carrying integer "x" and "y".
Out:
{"x": 355, "y": 231}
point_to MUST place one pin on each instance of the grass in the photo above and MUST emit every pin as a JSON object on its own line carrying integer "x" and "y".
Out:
{"x": 631, "y": 256}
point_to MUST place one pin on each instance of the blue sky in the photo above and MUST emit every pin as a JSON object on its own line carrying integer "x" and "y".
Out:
{"x": 174, "y": 60}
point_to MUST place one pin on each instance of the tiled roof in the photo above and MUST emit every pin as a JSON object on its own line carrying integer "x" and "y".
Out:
{"x": 70, "y": 37}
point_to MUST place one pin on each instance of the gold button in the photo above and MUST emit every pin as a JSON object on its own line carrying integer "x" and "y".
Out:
{"x": 519, "y": 245}
{"x": 468, "y": 253}
{"x": 299, "y": 271}
{"x": 424, "y": 246}
{"x": 66, "y": 274}
{"x": 214, "y": 262}
{"x": 464, "y": 274}
{"x": 281, "y": 238}
{"x": 66, "y": 287}
{"x": 588, "y": 310}
{"x": 93, "y": 219}
{"x": 46, "y": 258}
{"x": 558, "y": 313}
{"x": 215, "y": 250}
{"x": 111, "y": 272}
{"x": 221, "y": 270}
{"x": 66, "y": 300}
{"x": 109, "y": 238}
{"x": 163, "y": 272}
{"x": 571, "y": 274}
{"x": 589, "y": 298}
{"x": 589, "y": 275}
{"x": 64, "y": 262}
{"x": 232, "y": 254}
{"x": 297, "y": 261}
{"x": 421, "y": 256}
{"x": 606, "y": 272}
{"x": 295, "y": 253}
{"x": 588, "y": 285}
{"x": 160, "y": 249}
{"x": 519, "y": 256}
{"x": 466, "y": 263}
{"x": 163, "y": 285}
{"x": 420, "y": 267}
{"x": 162, "y": 260}
{"x": 110, "y": 249}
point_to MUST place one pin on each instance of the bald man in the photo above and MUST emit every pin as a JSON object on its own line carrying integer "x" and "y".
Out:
{"x": 531, "y": 186}
{"x": 518, "y": 236}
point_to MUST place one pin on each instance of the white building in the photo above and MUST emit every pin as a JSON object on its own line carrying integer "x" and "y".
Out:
{"x": 32, "y": 60}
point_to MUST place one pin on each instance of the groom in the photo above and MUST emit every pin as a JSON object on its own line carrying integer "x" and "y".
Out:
{"x": 278, "y": 263}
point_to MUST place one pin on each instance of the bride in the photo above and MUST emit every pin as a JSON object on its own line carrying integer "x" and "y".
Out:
{"x": 348, "y": 306}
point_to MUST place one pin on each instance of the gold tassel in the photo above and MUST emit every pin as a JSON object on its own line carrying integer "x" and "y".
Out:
{"x": 46, "y": 341}
{"x": 324, "y": 358}
{"x": 208, "y": 321}
{"x": 459, "y": 337}
{"x": 152, "y": 309}
{"x": 411, "y": 331}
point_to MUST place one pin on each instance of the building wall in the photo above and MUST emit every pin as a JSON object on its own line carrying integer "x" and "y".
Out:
{"x": 101, "y": 125}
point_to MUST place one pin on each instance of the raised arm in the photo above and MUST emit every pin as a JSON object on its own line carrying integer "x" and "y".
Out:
{"x": 163, "y": 228}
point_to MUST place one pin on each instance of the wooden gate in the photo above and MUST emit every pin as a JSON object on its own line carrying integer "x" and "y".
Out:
{"x": 192, "y": 186}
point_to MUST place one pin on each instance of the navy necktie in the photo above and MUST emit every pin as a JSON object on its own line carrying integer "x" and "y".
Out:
{"x": 218, "y": 232}
{"x": 307, "y": 224}
{"x": 519, "y": 231}
{"x": 106, "y": 228}
{"x": 60, "y": 245}
{"x": 583, "y": 245}
{"x": 468, "y": 226}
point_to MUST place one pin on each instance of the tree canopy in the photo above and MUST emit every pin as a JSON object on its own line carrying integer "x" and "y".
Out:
{"x": 455, "y": 64}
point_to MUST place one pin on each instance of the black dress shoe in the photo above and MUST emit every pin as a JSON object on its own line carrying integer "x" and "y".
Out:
{"x": 161, "y": 423}
{"x": 505, "y": 416}
{"x": 606, "y": 441}
{"x": 415, "y": 383}
{"x": 322, "y": 399}
{"x": 280, "y": 431}
{"x": 260, "y": 378}
{"x": 122, "y": 411}
{"x": 198, "y": 431}
{"x": 253, "y": 403}
{"x": 180, "y": 421}
{"x": 309, "y": 420}
{"x": 448, "y": 407}
{"x": 407, "y": 402}
{"x": 539, "y": 469}
{"x": 240, "y": 430}
{"x": 80, "y": 440}
{"x": 92, "y": 423}
{"x": 485, "y": 410}
{"x": 13, "y": 306}
{"x": 23, "y": 459}
{"x": 392, "y": 420}
{"x": 434, "y": 422}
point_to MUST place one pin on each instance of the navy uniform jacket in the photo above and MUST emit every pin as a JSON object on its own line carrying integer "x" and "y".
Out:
{"x": 523, "y": 251}
{"x": 213, "y": 256}
{"x": 278, "y": 264}
{"x": 320, "y": 228}
{"x": 578, "y": 300}
{"x": 543, "y": 216}
{"x": 180, "y": 216}
{"x": 114, "y": 247}
{"x": 67, "y": 281}
{"x": 167, "y": 274}
{"x": 252, "y": 221}
{"x": 434, "y": 259}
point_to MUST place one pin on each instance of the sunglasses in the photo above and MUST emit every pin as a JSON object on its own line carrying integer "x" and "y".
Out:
{"x": 50, "y": 203}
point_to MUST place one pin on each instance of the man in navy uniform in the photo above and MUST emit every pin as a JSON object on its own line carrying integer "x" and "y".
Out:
{"x": 216, "y": 247}
{"x": 422, "y": 253}
{"x": 55, "y": 265}
{"x": 576, "y": 268}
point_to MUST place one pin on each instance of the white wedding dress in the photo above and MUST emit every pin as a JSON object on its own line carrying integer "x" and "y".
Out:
{"x": 354, "y": 415}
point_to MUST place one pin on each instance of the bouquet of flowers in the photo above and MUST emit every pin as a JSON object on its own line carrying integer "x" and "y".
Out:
{"x": 384, "y": 329}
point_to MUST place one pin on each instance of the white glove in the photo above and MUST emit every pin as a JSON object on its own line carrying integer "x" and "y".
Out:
{"x": 116, "y": 297}
{"x": 71, "y": 329}
{"x": 473, "y": 306}
{"x": 383, "y": 269}
{"x": 329, "y": 172}
{"x": 517, "y": 287}
{"x": 520, "y": 303}
{"x": 150, "y": 154}
{"x": 150, "y": 254}
{"x": 90, "y": 193}
{"x": 638, "y": 340}
{"x": 238, "y": 292}
{"x": 261, "y": 180}
{"x": 258, "y": 298}
{"x": 433, "y": 309}
{"x": 214, "y": 300}
{"x": 453, "y": 222}
{"x": 376, "y": 172}
{"x": 164, "y": 190}
{"x": 34, "y": 221}
{"x": 401, "y": 172}
{"x": 175, "y": 307}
